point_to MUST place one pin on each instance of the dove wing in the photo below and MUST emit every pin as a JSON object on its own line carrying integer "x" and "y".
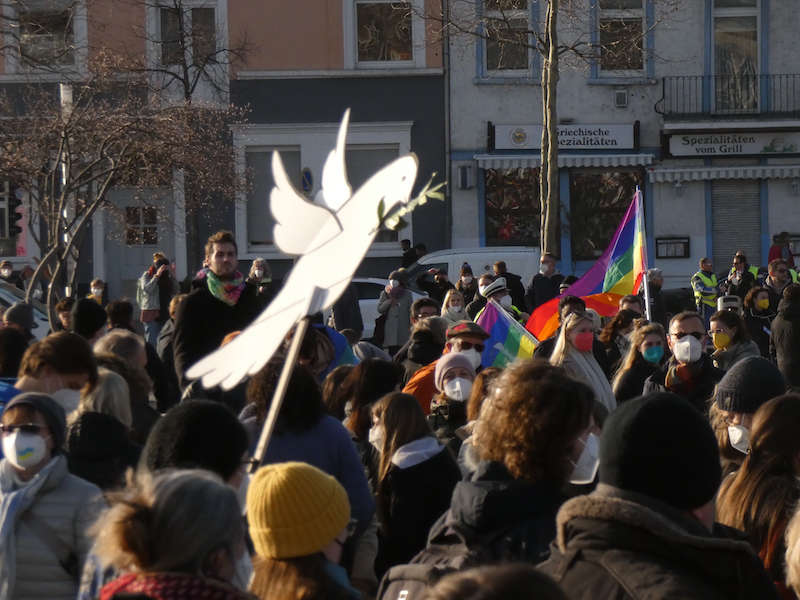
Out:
{"x": 300, "y": 225}
{"x": 335, "y": 189}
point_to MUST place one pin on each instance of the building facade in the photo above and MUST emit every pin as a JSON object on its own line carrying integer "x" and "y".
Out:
{"x": 695, "y": 102}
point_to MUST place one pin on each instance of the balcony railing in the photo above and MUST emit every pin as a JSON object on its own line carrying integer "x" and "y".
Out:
{"x": 703, "y": 96}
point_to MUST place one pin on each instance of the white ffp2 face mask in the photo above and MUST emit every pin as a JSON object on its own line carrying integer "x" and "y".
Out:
{"x": 473, "y": 356}
{"x": 24, "y": 450}
{"x": 739, "y": 437}
{"x": 586, "y": 468}
{"x": 687, "y": 350}
{"x": 377, "y": 436}
{"x": 458, "y": 389}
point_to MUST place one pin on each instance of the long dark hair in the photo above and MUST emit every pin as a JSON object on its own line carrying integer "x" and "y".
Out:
{"x": 403, "y": 421}
{"x": 370, "y": 380}
{"x": 761, "y": 497}
{"x": 302, "y": 406}
{"x": 621, "y": 320}
{"x": 301, "y": 578}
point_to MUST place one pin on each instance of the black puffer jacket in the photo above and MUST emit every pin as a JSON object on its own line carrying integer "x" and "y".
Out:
{"x": 784, "y": 343}
{"x": 759, "y": 325}
{"x": 609, "y": 548}
{"x": 513, "y": 520}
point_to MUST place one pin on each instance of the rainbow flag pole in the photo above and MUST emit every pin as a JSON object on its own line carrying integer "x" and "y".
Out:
{"x": 621, "y": 270}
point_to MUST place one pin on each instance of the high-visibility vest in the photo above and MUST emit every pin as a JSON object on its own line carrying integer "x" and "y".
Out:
{"x": 794, "y": 275}
{"x": 752, "y": 269}
{"x": 706, "y": 298}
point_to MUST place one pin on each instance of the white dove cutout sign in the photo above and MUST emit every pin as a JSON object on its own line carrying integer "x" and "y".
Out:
{"x": 330, "y": 237}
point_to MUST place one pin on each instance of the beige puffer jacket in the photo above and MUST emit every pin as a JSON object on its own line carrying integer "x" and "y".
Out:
{"x": 69, "y": 505}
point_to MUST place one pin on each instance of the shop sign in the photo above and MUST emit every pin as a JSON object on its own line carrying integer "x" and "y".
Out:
{"x": 570, "y": 137}
{"x": 735, "y": 143}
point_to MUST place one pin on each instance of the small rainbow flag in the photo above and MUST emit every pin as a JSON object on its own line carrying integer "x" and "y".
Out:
{"x": 508, "y": 340}
{"x": 618, "y": 272}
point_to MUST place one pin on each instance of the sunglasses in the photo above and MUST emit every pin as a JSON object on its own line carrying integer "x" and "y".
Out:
{"x": 470, "y": 345}
{"x": 23, "y": 427}
{"x": 695, "y": 334}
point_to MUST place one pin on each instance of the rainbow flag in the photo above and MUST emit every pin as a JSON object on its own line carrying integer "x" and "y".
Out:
{"x": 618, "y": 272}
{"x": 508, "y": 340}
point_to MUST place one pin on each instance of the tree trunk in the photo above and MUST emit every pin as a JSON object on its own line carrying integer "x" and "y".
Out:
{"x": 548, "y": 173}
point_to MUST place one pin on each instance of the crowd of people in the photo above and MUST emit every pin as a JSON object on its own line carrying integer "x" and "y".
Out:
{"x": 629, "y": 458}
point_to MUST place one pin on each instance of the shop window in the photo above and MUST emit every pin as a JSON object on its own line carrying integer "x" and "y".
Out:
{"x": 507, "y": 30}
{"x": 141, "y": 225}
{"x": 512, "y": 207}
{"x": 598, "y": 201}
{"x": 46, "y": 37}
{"x": 736, "y": 40}
{"x": 362, "y": 162}
{"x": 383, "y": 32}
{"x": 259, "y": 169}
{"x": 621, "y": 35}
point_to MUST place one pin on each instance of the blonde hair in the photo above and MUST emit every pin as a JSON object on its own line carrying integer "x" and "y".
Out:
{"x": 563, "y": 345}
{"x": 171, "y": 521}
{"x": 451, "y": 293}
{"x": 793, "y": 553}
{"x": 637, "y": 339}
{"x": 110, "y": 396}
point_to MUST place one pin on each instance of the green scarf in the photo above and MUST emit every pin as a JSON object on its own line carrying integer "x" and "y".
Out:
{"x": 227, "y": 291}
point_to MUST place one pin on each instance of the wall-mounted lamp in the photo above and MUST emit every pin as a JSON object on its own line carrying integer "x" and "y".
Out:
{"x": 796, "y": 187}
{"x": 678, "y": 189}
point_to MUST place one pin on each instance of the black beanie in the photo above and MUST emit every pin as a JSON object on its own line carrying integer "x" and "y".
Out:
{"x": 749, "y": 384}
{"x": 88, "y": 317}
{"x": 198, "y": 434}
{"x": 661, "y": 446}
{"x": 53, "y": 413}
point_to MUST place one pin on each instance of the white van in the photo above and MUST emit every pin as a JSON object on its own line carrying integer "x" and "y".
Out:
{"x": 520, "y": 260}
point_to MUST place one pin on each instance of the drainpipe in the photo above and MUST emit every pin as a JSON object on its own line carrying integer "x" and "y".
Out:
{"x": 448, "y": 162}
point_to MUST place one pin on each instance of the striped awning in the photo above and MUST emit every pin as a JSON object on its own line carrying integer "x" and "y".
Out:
{"x": 708, "y": 173}
{"x": 532, "y": 161}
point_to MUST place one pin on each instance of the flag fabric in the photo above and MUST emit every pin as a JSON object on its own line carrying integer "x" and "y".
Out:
{"x": 618, "y": 272}
{"x": 508, "y": 340}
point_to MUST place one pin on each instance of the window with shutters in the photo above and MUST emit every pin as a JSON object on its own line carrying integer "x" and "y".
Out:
{"x": 735, "y": 220}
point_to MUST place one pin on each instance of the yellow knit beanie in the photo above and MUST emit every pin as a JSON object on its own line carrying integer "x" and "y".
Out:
{"x": 294, "y": 509}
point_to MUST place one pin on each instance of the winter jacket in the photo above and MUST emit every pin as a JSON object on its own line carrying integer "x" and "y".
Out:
{"x": 422, "y": 386}
{"x": 445, "y": 419}
{"x": 609, "y": 547}
{"x": 515, "y": 289}
{"x": 784, "y": 342}
{"x": 164, "y": 351}
{"x": 68, "y": 505}
{"x": 327, "y": 446}
{"x": 704, "y": 386}
{"x": 414, "y": 494}
{"x": 398, "y": 318}
{"x": 203, "y": 321}
{"x": 148, "y": 288}
{"x": 726, "y": 358}
{"x": 542, "y": 289}
{"x": 476, "y": 306}
{"x": 732, "y": 287}
{"x": 513, "y": 519}
{"x": 759, "y": 326}
{"x": 470, "y": 292}
{"x": 631, "y": 381}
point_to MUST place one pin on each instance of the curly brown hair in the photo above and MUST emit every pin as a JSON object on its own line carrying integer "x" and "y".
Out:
{"x": 531, "y": 420}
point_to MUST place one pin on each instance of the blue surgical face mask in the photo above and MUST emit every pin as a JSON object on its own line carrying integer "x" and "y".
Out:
{"x": 653, "y": 354}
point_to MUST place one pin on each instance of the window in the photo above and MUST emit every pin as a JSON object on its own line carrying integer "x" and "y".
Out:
{"x": 195, "y": 24}
{"x": 736, "y": 57}
{"x": 363, "y": 161}
{"x": 46, "y": 37}
{"x": 141, "y": 225}
{"x": 512, "y": 207}
{"x": 259, "y": 170}
{"x": 621, "y": 26}
{"x": 598, "y": 201}
{"x": 508, "y": 43}
{"x": 384, "y": 31}
{"x": 304, "y": 147}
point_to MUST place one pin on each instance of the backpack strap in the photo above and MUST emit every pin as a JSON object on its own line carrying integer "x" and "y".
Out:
{"x": 66, "y": 556}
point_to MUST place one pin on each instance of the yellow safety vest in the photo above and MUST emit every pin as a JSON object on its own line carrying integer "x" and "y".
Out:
{"x": 794, "y": 275}
{"x": 700, "y": 297}
{"x": 752, "y": 269}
